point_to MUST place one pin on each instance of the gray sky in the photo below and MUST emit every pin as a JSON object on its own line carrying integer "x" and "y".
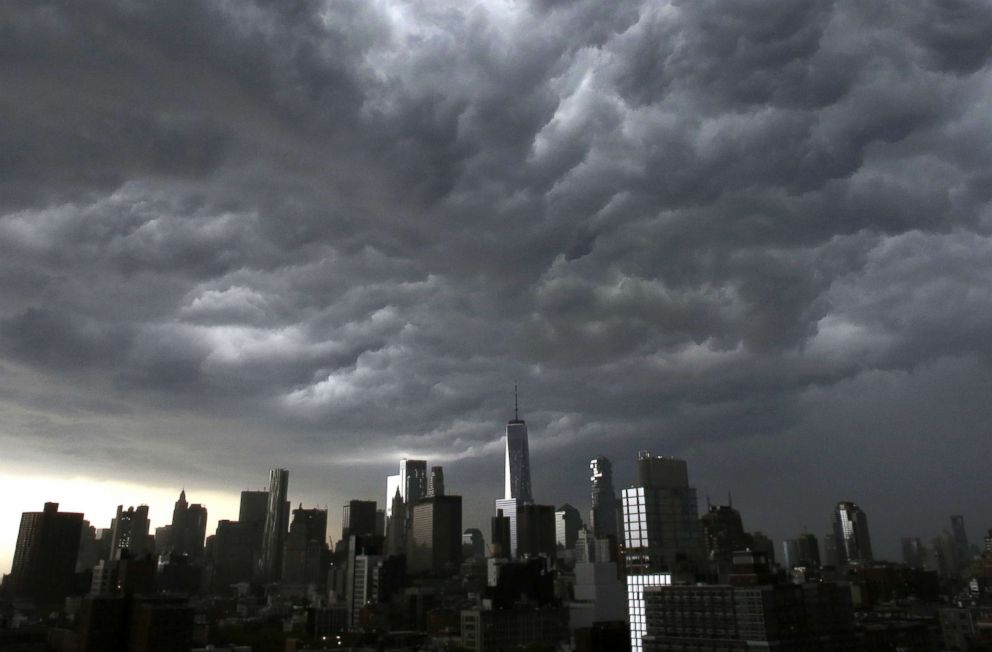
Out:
{"x": 752, "y": 233}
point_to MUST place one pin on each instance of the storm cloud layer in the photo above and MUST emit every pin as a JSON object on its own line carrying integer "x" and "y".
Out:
{"x": 752, "y": 233}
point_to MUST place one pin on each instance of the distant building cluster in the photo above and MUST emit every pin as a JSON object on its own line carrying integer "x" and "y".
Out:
{"x": 642, "y": 570}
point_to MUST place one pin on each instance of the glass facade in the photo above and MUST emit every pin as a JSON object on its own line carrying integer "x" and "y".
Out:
{"x": 635, "y": 604}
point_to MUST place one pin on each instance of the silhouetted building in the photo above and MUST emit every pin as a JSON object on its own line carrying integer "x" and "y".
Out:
{"x": 276, "y": 525}
{"x": 130, "y": 533}
{"x": 851, "y": 534}
{"x": 358, "y": 518}
{"x": 364, "y": 554}
{"x": 536, "y": 531}
{"x": 44, "y": 564}
{"x": 234, "y": 553}
{"x": 435, "y": 483}
{"x": 435, "y": 543}
{"x": 723, "y": 534}
{"x": 508, "y": 507}
{"x": 473, "y": 544}
{"x": 306, "y": 555}
{"x": 413, "y": 482}
{"x": 568, "y": 522}
{"x": 603, "y": 514}
{"x": 962, "y": 548}
{"x": 189, "y": 528}
{"x": 396, "y": 528}
{"x": 500, "y": 543}
{"x": 809, "y": 550}
{"x": 912, "y": 552}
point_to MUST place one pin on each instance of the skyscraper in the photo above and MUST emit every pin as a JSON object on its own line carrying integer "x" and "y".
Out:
{"x": 189, "y": 528}
{"x": 276, "y": 517}
{"x": 603, "y": 514}
{"x": 413, "y": 481}
{"x": 44, "y": 562}
{"x": 661, "y": 523}
{"x": 436, "y": 536}
{"x": 851, "y": 534}
{"x": 358, "y": 517}
{"x": 962, "y": 548}
{"x": 435, "y": 483}
{"x": 517, "y": 474}
{"x": 568, "y": 522}
{"x": 305, "y": 555}
{"x": 129, "y": 536}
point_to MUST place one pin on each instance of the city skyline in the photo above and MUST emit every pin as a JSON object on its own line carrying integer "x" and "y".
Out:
{"x": 324, "y": 236}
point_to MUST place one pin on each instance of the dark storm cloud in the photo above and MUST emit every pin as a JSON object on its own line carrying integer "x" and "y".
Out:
{"x": 686, "y": 226}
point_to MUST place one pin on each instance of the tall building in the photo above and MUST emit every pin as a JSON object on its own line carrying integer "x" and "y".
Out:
{"x": 851, "y": 534}
{"x": 306, "y": 554}
{"x": 436, "y": 536}
{"x": 435, "y": 483}
{"x": 508, "y": 508}
{"x": 364, "y": 554}
{"x": 661, "y": 533}
{"x": 413, "y": 481}
{"x": 392, "y": 488}
{"x": 253, "y": 507}
{"x": 358, "y": 517}
{"x": 499, "y": 536}
{"x": 234, "y": 553}
{"x": 661, "y": 522}
{"x": 603, "y": 514}
{"x": 568, "y": 522}
{"x": 536, "y": 531}
{"x": 396, "y": 526}
{"x": 809, "y": 550}
{"x": 723, "y": 534}
{"x": 129, "y": 536}
{"x": 274, "y": 533}
{"x": 912, "y": 552}
{"x": 517, "y": 472}
{"x": 963, "y": 549}
{"x": 189, "y": 528}
{"x": 44, "y": 563}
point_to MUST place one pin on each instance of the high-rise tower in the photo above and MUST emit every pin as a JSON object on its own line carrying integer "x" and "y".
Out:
{"x": 517, "y": 478}
{"x": 603, "y": 515}
{"x": 851, "y": 534}
{"x": 276, "y": 525}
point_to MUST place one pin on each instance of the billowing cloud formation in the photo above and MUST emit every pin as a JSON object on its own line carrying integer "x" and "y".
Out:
{"x": 322, "y": 234}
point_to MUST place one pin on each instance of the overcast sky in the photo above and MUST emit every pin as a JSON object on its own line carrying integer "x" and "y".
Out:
{"x": 755, "y": 234}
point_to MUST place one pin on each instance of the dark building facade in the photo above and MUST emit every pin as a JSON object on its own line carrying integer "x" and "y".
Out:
{"x": 358, "y": 518}
{"x": 44, "y": 563}
{"x": 276, "y": 525}
{"x": 536, "y": 531}
{"x": 603, "y": 514}
{"x": 435, "y": 545}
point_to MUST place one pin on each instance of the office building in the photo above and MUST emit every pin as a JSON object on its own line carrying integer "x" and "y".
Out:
{"x": 306, "y": 554}
{"x": 188, "y": 530}
{"x": 851, "y": 534}
{"x": 435, "y": 482}
{"x": 435, "y": 546}
{"x": 568, "y": 522}
{"x": 44, "y": 564}
{"x": 413, "y": 482}
{"x": 661, "y": 523}
{"x": 603, "y": 514}
{"x": 536, "y": 532}
{"x": 809, "y": 550}
{"x": 358, "y": 517}
{"x": 508, "y": 508}
{"x": 129, "y": 536}
{"x": 396, "y": 526}
{"x": 276, "y": 525}
{"x": 723, "y": 534}
{"x": 636, "y": 585}
{"x": 500, "y": 537}
{"x": 392, "y": 488}
{"x": 814, "y": 616}
{"x": 473, "y": 544}
{"x": 517, "y": 468}
{"x": 962, "y": 548}
{"x": 496, "y": 630}
{"x": 234, "y": 553}
{"x": 364, "y": 555}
